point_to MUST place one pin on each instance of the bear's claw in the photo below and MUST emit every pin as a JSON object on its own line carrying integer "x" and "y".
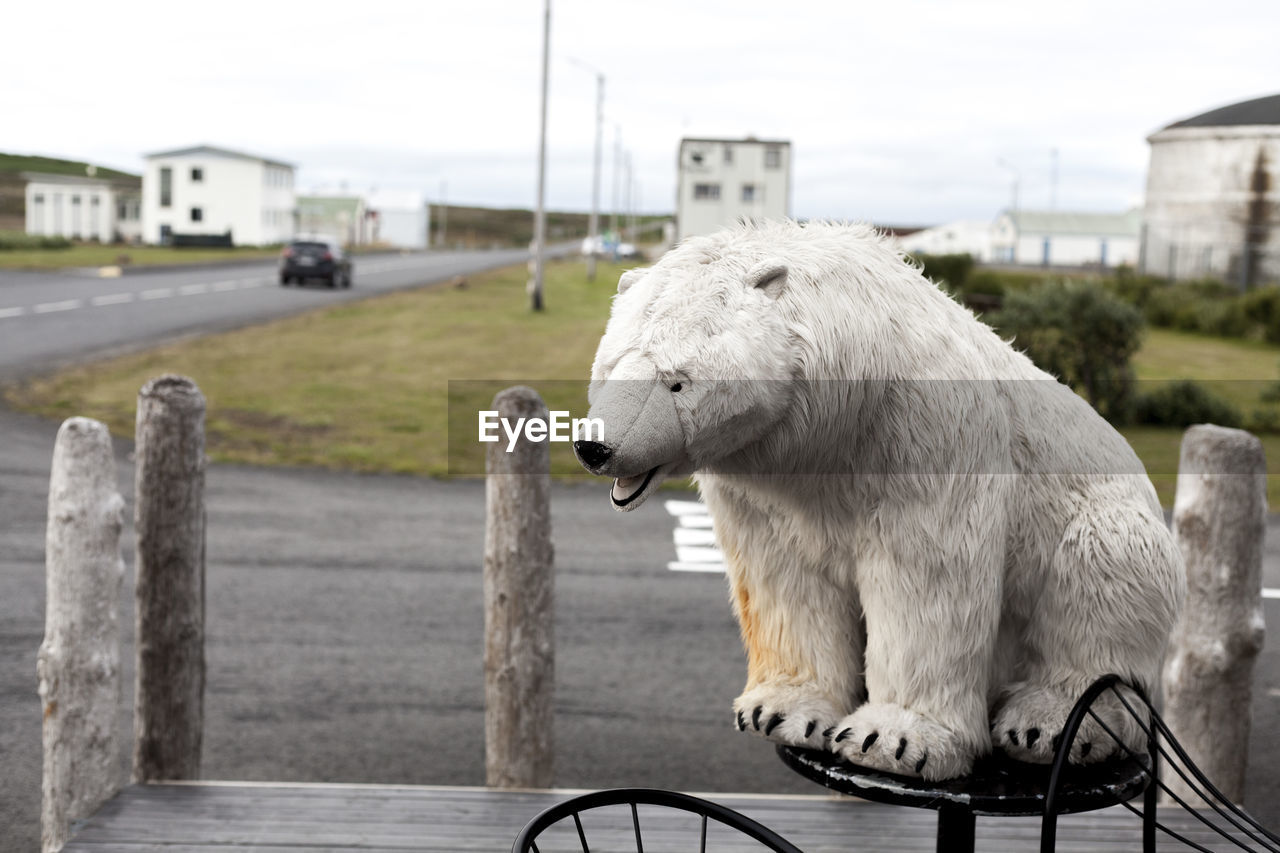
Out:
{"x": 798, "y": 715}
{"x": 1030, "y": 711}
{"x": 898, "y": 740}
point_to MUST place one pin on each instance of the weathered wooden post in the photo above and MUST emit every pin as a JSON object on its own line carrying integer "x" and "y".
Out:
{"x": 519, "y": 652}
{"x": 169, "y": 521}
{"x": 79, "y": 661}
{"x": 1219, "y": 519}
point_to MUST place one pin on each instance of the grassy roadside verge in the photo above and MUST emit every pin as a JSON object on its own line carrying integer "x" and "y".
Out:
{"x": 382, "y": 384}
{"x": 364, "y": 386}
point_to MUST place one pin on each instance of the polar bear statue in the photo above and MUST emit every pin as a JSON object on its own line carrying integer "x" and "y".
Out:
{"x": 932, "y": 546}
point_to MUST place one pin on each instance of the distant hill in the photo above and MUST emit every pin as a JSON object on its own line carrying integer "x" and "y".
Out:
{"x": 55, "y": 166}
{"x": 488, "y": 226}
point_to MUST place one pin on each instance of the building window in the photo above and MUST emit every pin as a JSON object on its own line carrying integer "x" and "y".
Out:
{"x": 166, "y": 186}
{"x": 772, "y": 158}
{"x": 710, "y": 192}
{"x": 197, "y": 174}
{"x": 122, "y": 210}
{"x": 38, "y": 198}
{"x": 197, "y": 214}
{"x": 75, "y": 199}
{"x": 728, "y": 155}
{"x": 750, "y": 192}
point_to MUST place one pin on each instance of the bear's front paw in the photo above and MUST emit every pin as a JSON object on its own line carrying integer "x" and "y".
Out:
{"x": 786, "y": 713}
{"x": 898, "y": 740}
{"x": 1029, "y": 724}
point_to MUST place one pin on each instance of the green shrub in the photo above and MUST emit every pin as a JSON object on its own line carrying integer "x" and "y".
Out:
{"x": 986, "y": 282}
{"x": 15, "y": 241}
{"x": 1182, "y": 403}
{"x": 1263, "y": 419}
{"x": 1137, "y": 289}
{"x": 1082, "y": 334}
{"x": 949, "y": 270}
{"x": 1262, "y": 307}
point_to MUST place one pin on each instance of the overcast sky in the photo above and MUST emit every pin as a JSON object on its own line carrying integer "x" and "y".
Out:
{"x": 898, "y": 112}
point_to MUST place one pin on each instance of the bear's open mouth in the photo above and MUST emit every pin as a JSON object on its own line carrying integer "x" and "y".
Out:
{"x": 627, "y": 489}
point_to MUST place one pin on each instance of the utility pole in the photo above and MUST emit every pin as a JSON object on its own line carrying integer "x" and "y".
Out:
{"x": 540, "y": 216}
{"x": 444, "y": 214}
{"x": 1053, "y": 180}
{"x": 593, "y": 224}
{"x": 626, "y": 205}
{"x": 617, "y": 176}
{"x": 1017, "y": 178}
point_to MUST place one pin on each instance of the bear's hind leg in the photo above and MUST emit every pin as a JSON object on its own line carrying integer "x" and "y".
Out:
{"x": 1107, "y": 607}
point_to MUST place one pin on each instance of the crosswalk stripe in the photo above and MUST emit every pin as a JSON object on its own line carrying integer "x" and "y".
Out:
{"x": 695, "y": 536}
{"x": 695, "y": 540}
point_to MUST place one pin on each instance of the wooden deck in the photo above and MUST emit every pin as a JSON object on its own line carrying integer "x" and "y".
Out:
{"x": 292, "y": 818}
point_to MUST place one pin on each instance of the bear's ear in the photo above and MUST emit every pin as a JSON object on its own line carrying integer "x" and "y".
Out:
{"x": 769, "y": 276}
{"x": 629, "y": 278}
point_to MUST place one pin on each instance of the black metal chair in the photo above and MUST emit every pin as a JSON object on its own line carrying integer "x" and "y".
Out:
{"x": 526, "y": 841}
{"x": 1231, "y": 823}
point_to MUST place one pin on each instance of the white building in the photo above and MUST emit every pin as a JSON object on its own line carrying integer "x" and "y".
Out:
{"x": 83, "y": 208}
{"x": 401, "y": 218}
{"x": 722, "y": 180}
{"x": 1057, "y": 238}
{"x": 966, "y": 237}
{"x": 1213, "y": 198}
{"x": 211, "y": 195}
{"x": 346, "y": 218}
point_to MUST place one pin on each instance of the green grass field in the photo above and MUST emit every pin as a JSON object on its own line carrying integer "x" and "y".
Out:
{"x": 383, "y": 384}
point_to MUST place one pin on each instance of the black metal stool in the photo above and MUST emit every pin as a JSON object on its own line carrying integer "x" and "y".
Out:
{"x": 997, "y": 786}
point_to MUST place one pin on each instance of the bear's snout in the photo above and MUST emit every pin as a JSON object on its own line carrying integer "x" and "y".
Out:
{"x": 592, "y": 454}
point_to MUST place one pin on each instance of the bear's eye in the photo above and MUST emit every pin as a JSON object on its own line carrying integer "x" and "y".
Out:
{"x": 677, "y": 386}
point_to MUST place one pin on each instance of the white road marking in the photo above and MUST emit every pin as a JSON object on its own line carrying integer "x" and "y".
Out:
{"x": 156, "y": 293}
{"x": 694, "y": 539}
{"x": 193, "y": 289}
{"x": 1270, "y": 593}
{"x": 695, "y": 536}
{"x": 223, "y": 286}
{"x": 50, "y": 307}
{"x": 12, "y": 312}
{"x": 249, "y": 283}
{"x": 111, "y": 299}
{"x": 709, "y": 568}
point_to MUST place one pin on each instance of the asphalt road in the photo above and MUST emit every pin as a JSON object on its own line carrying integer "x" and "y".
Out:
{"x": 47, "y": 319}
{"x": 344, "y": 618}
{"x": 345, "y": 637}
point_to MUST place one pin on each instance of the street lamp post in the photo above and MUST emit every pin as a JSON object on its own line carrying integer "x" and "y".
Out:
{"x": 540, "y": 216}
{"x": 593, "y": 224}
{"x": 617, "y": 176}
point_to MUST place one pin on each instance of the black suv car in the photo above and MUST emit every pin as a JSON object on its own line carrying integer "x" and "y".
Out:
{"x": 315, "y": 257}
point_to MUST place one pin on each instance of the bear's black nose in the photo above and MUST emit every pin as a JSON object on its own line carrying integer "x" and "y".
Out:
{"x": 593, "y": 454}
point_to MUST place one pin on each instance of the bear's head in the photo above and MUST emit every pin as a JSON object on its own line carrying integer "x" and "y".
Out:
{"x": 694, "y": 366}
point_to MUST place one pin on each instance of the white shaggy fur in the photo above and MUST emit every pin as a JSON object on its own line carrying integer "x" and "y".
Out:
{"x": 920, "y": 563}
